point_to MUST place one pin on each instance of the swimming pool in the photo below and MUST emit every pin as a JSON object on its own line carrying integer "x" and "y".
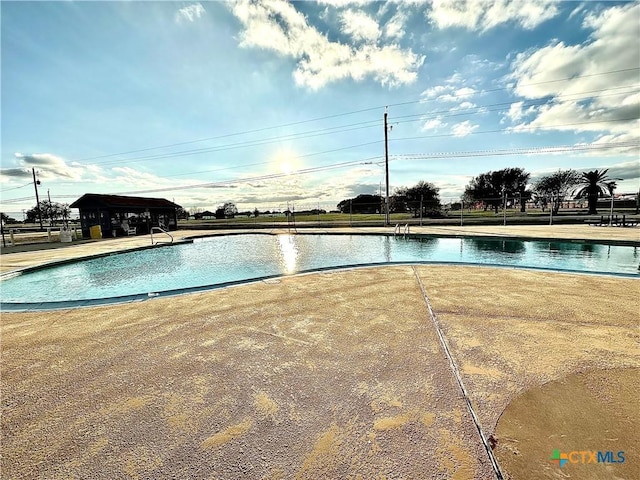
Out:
{"x": 222, "y": 260}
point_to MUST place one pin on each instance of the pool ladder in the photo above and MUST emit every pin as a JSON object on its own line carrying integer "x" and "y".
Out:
{"x": 161, "y": 231}
{"x": 406, "y": 230}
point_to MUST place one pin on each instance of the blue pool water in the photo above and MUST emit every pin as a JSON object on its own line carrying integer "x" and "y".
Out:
{"x": 217, "y": 260}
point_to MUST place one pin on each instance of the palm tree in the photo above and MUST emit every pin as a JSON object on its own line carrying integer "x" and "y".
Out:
{"x": 594, "y": 185}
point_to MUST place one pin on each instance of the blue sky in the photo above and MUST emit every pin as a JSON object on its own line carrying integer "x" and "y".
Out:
{"x": 264, "y": 103}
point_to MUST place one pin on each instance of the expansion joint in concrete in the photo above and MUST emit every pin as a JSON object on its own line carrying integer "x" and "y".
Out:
{"x": 458, "y": 377}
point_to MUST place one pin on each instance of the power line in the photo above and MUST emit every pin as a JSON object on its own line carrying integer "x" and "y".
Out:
{"x": 270, "y": 176}
{"x": 366, "y": 144}
{"x": 528, "y": 103}
{"x": 246, "y": 132}
{"x": 326, "y": 117}
{"x": 372, "y": 160}
{"x": 498, "y": 89}
{"x": 16, "y": 200}
{"x": 16, "y": 188}
{"x": 518, "y": 151}
{"x": 347, "y": 128}
{"x": 252, "y": 143}
{"x": 267, "y": 162}
{"x": 502, "y": 130}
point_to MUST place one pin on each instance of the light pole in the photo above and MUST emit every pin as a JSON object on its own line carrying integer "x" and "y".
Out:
{"x": 50, "y": 209}
{"x": 612, "y": 186}
{"x": 386, "y": 167}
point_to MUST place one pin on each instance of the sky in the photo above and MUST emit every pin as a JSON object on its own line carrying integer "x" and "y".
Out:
{"x": 271, "y": 103}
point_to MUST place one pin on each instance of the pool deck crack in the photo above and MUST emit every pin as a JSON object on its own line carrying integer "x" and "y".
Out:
{"x": 283, "y": 337}
{"x": 456, "y": 373}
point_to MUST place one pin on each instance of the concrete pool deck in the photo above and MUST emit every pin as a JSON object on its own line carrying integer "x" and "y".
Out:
{"x": 327, "y": 375}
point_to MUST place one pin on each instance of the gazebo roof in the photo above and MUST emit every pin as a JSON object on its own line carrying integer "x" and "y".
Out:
{"x": 96, "y": 200}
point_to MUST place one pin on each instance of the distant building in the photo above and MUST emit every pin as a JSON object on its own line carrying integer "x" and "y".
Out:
{"x": 206, "y": 215}
{"x": 118, "y": 215}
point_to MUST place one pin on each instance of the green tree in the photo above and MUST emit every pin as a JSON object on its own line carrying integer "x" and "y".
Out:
{"x": 425, "y": 194}
{"x": 31, "y": 215}
{"x": 193, "y": 211}
{"x": 593, "y": 184}
{"x": 398, "y": 201}
{"x": 363, "y": 203}
{"x": 515, "y": 183}
{"x": 51, "y": 211}
{"x": 492, "y": 188}
{"x": 557, "y": 186}
{"x": 7, "y": 219}
{"x": 181, "y": 213}
{"x": 230, "y": 210}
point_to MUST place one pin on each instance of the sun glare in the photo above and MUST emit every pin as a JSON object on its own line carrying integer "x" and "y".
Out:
{"x": 286, "y": 162}
{"x": 289, "y": 252}
{"x": 286, "y": 167}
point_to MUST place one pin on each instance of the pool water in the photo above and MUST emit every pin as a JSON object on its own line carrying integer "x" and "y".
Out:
{"x": 219, "y": 260}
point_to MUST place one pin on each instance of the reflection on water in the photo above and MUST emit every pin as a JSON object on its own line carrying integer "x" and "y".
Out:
{"x": 112, "y": 270}
{"x": 497, "y": 245}
{"x": 289, "y": 252}
{"x": 571, "y": 248}
{"x": 244, "y": 257}
{"x": 386, "y": 243}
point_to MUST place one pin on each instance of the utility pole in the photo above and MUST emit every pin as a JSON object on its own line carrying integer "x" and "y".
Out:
{"x": 35, "y": 186}
{"x": 50, "y": 209}
{"x": 386, "y": 166}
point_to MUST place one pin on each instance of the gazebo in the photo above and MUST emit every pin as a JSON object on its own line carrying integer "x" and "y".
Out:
{"x": 119, "y": 215}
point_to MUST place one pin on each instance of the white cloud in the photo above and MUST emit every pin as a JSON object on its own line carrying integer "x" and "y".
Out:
{"x": 463, "y": 129}
{"x": 515, "y": 112}
{"x": 395, "y": 27}
{"x": 359, "y": 26}
{"x": 344, "y": 3}
{"x": 277, "y": 26}
{"x": 433, "y": 92}
{"x": 464, "y": 92}
{"x": 482, "y": 15}
{"x": 457, "y": 95}
{"x": 433, "y": 124}
{"x": 577, "y": 10}
{"x": 450, "y": 93}
{"x": 50, "y": 166}
{"x": 596, "y": 75}
{"x": 137, "y": 179}
{"x": 626, "y": 170}
{"x": 190, "y": 13}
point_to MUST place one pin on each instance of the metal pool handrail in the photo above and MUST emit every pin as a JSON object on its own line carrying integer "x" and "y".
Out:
{"x": 405, "y": 230}
{"x": 162, "y": 231}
